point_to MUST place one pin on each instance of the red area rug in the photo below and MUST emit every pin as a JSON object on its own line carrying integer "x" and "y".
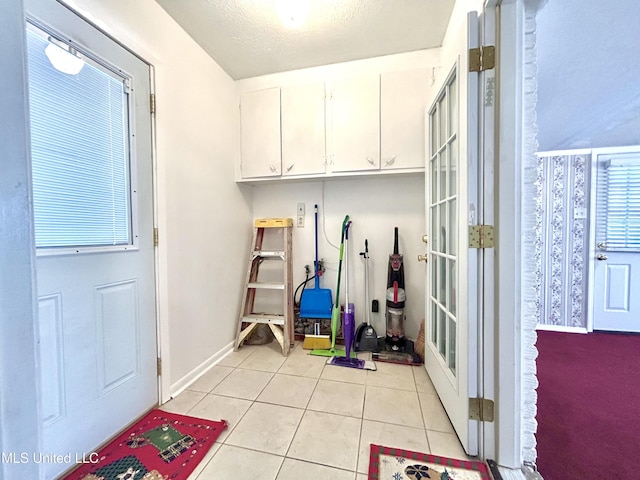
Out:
{"x": 588, "y": 405}
{"x": 160, "y": 446}
{"x": 396, "y": 464}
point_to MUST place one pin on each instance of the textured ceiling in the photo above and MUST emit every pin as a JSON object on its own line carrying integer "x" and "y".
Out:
{"x": 247, "y": 38}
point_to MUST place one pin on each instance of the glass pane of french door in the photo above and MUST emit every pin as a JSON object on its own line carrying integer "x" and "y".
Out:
{"x": 443, "y": 235}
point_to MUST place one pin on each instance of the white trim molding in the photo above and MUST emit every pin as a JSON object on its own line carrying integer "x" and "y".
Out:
{"x": 561, "y": 328}
{"x": 530, "y": 309}
{"x": 181, "y": 385}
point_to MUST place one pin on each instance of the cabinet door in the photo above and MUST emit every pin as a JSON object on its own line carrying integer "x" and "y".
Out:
{"x": 355, "y": 124}
{"x": 260, "y": 133}
{"x": 403, "y": 97}
{"x": 303, "y": 123}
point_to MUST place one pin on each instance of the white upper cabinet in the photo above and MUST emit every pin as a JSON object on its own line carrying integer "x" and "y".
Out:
{"x": 260, "y": 134}
{"x": 403, "y": 97}
{"x": 303, "y": 124}
{"x": 353, "y": 126}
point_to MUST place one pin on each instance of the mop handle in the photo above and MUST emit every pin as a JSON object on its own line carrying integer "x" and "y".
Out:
{"x": 366, "y": 281}
{"x": 365, "y": 256}
{"x": 344, "y": 224}
{"x": 346, "y": 264}
{"x": 316, "y": 267}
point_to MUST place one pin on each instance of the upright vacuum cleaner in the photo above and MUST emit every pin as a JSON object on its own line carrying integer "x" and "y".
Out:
{"x": 366, "y": 336}
{"x": 396, "y": 298}
{"x": 397, "y": 348}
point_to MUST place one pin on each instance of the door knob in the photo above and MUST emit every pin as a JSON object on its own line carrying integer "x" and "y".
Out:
{"x": 425, "y": 238}
{"x": 601, "y": 256}
{"x": 602, "y": 245}
{"x": 422, "y": 258}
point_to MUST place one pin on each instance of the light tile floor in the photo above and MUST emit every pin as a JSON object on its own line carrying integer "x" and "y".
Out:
{"x": 295, "y": 417}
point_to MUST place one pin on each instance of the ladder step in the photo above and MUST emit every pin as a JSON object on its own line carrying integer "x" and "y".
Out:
{"x": 266, "y": 285}
{"x": 272, "y": 318}
{"x": 268, "y": 253}
{"x": 273, "y": 222}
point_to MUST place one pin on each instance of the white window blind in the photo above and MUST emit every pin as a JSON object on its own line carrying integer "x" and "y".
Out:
{"x": 619, "y": 204}
{"x": 80, "y": 153}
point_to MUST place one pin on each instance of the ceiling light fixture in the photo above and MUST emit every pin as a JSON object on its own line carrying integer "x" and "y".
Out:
{"x": 292, "y": 12}
{"x": 63, "y": 58}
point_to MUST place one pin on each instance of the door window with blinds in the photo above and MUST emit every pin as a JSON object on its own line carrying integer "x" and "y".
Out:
{"x": 618, "y": 198}
{"x": 80, "y": 148}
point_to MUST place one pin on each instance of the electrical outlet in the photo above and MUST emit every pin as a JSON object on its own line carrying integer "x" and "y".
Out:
{"x": 300, "y": 212}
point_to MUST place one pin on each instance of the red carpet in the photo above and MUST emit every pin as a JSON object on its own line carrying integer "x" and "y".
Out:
{"x": 588, "y": 406}
{"x": 160, "y": 446}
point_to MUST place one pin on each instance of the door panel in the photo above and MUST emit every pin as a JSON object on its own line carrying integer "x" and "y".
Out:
{"x": 616, "y": 255}
{"x": 97, "y": 301}
{"x": 260, "y": 133}
{"x": 303, "y": 124}
{"x": 355, "y": 124}
{"x": 451, "y": 309}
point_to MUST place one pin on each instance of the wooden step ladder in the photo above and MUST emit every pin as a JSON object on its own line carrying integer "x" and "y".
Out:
{"x": 281, "y": 324}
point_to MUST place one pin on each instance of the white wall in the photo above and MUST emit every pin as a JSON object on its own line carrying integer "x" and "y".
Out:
{"x": 375, "y": 205}
{"x": 588, "y": 72}
{"x": 204, "y": 218}
{"x": 19, "y": 413}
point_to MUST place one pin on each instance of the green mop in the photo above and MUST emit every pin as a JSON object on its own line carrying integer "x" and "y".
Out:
{"x": 333, "y": 351}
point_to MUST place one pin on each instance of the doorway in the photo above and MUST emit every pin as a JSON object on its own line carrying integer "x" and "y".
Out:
{"x": 93, "y": 217}
{"x": 573, "y": 108}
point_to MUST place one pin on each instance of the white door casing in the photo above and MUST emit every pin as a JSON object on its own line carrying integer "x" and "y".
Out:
{"x": 97, "y": 322}
{"x": 451, "y": 310}
{"x": 615, "y": 249}
{"x": 486, "y": 216}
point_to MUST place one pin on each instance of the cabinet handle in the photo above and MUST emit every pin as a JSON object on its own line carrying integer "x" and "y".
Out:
{"x": 289, "y": 167}
{"x": 272, "y": 167}
{"x": 391, "y": 161}
{"x": 370, "y": 160}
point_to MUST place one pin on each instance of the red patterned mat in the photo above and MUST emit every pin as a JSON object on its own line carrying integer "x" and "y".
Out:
{"x": 160, "y": 446}
{"x": 396, "y": 464}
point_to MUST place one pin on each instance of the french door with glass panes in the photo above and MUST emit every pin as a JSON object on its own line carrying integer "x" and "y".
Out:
{"x": 451, "y": 202}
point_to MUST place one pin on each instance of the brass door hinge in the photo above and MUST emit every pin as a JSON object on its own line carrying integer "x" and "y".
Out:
{"x": 481, "y": 236}
{"x": 481, "y": 409}
{"x": 155, "y": 236}
{"x": 159, "y": 366}
{"x": 482, "y": 58}
{"x": 152, "y": 103}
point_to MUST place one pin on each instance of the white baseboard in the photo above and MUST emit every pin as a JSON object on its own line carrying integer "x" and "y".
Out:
{"x": 178, "y": 387}
{"x": 561, "y": 328}
{"x": 511, "y": 474}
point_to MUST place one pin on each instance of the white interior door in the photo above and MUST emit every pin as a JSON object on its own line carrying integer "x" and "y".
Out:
{"x": 93, "y": 217}
{"x": 616, "y": 256}
{"x": 451, "y": 309}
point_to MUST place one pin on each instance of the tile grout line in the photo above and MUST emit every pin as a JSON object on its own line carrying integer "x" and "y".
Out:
{"x": 424, "y": 425}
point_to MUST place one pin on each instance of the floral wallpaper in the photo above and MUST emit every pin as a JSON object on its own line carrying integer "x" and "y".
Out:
{"x": 561, "y": 247}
